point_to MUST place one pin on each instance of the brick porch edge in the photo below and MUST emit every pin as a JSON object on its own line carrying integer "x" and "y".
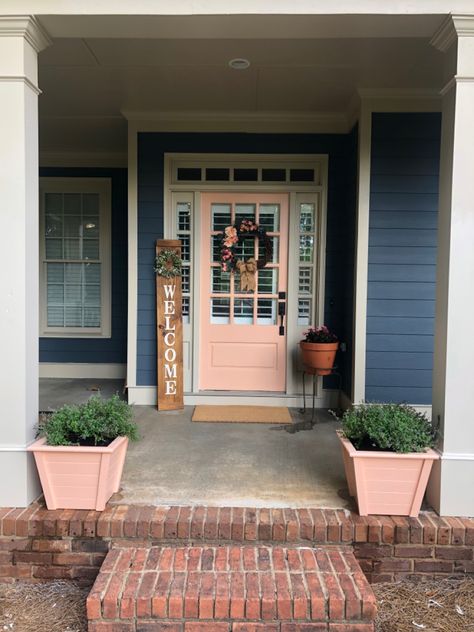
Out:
{"x": 37, "y": 544}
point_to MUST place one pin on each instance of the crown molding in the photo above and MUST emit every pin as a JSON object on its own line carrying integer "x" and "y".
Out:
{"x": 454, "y": 26}
{"x": 26, "y": 26}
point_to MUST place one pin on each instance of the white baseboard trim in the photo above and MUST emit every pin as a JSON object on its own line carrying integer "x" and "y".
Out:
{"x": 146, "y": 396}
{"x": 82, "y": 370}
{"x": 454, "y": 456}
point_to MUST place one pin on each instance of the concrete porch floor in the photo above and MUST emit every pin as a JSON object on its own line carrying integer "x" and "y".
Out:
{"x": 178, "y": 462}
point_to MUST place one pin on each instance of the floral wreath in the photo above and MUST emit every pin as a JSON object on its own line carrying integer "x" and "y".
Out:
{"x": 230, "y": 238}
{"x": 168, "y": 264}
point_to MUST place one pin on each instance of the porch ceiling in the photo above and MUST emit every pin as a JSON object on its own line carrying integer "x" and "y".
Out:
{"x": 89, "y": 81}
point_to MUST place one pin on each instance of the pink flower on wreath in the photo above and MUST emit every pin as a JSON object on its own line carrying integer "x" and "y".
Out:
{"x": 230, "y": 241}
{"x": 231, "y": 232}
{"x": 224, "y": 267}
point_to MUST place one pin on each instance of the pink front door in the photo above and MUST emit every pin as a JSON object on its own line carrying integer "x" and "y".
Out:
{"x": 241, "y": 345}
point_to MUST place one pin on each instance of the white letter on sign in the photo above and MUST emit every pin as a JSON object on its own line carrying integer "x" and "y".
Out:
{"x": 169, "y": 291}
{"x": 170, "y": 354}
{"x": 171, "y": 371}
{"x": 170, "y": 388}
{"x": 168, "y": 341}
{"x": 169, "y": 307}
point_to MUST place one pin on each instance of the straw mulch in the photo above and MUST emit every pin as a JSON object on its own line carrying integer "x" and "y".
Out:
{"x": 58, "y": 606}
{"x": 445, "y": 605}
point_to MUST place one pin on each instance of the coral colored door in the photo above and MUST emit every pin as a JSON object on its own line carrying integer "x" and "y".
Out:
{"x": 241, "y": 345}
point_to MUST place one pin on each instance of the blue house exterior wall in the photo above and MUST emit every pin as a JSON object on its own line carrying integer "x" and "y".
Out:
{"x": 341, "y": 210}
{"x": 402, "y": 256}
{"x": 99, "y": 350}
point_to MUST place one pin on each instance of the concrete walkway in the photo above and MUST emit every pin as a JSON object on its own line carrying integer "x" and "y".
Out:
{"x": 178, "y": 462}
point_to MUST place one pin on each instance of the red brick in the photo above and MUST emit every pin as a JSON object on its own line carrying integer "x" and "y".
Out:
{"x": 129, "y": 594}
{"x": 157, "y": 523}
{"x": 117, "y": 521}
{"x": 144, "y": 594}
{"x": 206, "y": 596}
{"x": 250, "y": 524}
{"x": 222, "y": 605}
{"x": 184, "y": 523}
{"x": 433, "y": 566}
{"x": 72, "y": 559}
{"x": 160, "y": 626}
{"x": 225, "y": 526}
{"x": 453, "y": 553}
{"x": 391, "y": 565}
{"x": 279, "y": 526}
{"x": 159, "y": 602}
{"x": 306, "y": 524}
{"x": 264, "y": 524}
{"x": 197, "y": 523}
{"x": 143, "y": 523}
{"x": 110, "y": 626}
{"x": 351, "y": 627}
{"x": 303, "y": 627}
{"x": 237, "y": 595}
{"x": 413, "y": 551}
{"x": 211, "y": 523}
{"x": 171, "y": 524}
{"x": 176, "y": 596}
{"x": 33, "y": 557}
{"x": 255, "y": 627}
{"x": 202, "y": 626}
{"x": 237, "y": 527}
{"x": 130, "y": 521}
{"x": 320, "y": 525}
{"x": 292, "y": 525}
{"x": 104, "y": 520}
{"x": 458, "y": 531}
{"x": 57, "y": 546}
{"x": 52, "y": 572}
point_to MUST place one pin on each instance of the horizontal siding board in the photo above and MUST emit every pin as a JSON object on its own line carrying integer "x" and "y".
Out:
{"x": 399, "y": 377}
{"x": 402, "y": 256}
{"x": 390, "y": 273}
{"x": 409, "y": 308}
{"x": 399, "y": 394}
{"x": 393, "y": 325}
{"x": 403, "y": 219}
{"x": 415, "y": 343}
{"x": 402, "y": 237}
{"x": 394, "y": 290}
{"x": 404, "y": 183}
{"x": 399, "y": 360}
{"x": 399, "y": 256}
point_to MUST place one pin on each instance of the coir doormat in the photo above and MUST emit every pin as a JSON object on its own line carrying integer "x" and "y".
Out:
{"x": 242, "y": 414}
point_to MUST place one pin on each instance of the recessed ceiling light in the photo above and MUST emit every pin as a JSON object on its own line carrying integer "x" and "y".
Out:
{"x": 239, "y": 63}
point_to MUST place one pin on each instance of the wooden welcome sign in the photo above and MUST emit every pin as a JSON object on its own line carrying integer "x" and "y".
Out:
{"x": 169, "y": 321}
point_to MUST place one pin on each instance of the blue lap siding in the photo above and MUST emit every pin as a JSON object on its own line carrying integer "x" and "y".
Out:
{"x": 402, "y": 256}
{"x": 99, "y": 350}
{"x": 341, "y": 210}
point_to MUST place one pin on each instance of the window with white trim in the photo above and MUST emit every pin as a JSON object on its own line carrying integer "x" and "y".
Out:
{"x": 75, "y": 257}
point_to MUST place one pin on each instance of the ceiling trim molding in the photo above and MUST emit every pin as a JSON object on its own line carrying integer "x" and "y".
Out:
{"x": 26, "y": 26}
{"x": 454, "y": 26}
{"x": 83, "y": 159}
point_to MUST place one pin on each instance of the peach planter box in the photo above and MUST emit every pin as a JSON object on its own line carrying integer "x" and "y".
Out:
{"x": 79, "y": 477}
{"x": 386, "y": 483}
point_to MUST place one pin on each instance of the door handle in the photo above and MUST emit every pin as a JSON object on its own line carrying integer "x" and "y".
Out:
{"x": 282, "y": 314}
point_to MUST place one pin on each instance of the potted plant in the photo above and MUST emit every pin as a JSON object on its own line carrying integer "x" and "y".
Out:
{"x": 318, "y": 349}
{"x": 387, "y": 457}
{"x": 81, "y": 452}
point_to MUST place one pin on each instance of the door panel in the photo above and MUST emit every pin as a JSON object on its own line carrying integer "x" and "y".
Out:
{"x": 240, "y": 343}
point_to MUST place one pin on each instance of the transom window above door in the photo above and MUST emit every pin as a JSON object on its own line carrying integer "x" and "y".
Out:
{"x": 75, "y": 257}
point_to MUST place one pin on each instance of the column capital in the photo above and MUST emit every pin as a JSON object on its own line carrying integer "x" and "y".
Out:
{"x": 453, "y": 27}
{"x": 26, "y": 26}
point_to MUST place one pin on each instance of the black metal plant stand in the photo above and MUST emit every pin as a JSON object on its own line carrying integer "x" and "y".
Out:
{"x": 314, "y": 372}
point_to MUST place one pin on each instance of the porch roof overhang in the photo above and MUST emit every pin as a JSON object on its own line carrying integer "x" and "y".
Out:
{"x": 307, "y": 71}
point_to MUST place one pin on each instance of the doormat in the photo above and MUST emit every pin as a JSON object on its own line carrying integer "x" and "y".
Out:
{"x": 242, "y": 414}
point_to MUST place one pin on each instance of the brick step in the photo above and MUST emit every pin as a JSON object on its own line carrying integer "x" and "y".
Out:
{"x": 231, "y": 589}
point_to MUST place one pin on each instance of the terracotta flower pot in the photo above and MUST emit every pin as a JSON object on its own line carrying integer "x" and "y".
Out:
{"x": 319, "y": 355}
{"x": 79, "y": 477}
{"x": 386, "y": 483}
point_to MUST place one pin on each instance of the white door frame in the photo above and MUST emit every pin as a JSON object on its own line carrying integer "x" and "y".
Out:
{"x": 316, "y": 191}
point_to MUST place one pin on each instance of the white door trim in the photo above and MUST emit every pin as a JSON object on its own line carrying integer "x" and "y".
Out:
{"x": 297, "y": 192}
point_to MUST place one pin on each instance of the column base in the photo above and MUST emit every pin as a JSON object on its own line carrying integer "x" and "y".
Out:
{"x": 450, "y": 486}
{"x": 20, "y": 482}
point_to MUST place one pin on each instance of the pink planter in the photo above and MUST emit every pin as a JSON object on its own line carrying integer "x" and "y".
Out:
{"x": 79, "y": 477}
{"x": 386, "y": 483}
{"x": 319, "y": 356}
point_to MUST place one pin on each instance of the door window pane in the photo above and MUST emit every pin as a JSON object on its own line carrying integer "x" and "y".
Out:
{"x": 269, "y": 217}
{"x": 306, "y": 248}
{"x": 307, "y": 218}
{"x": 243, "y": 311}
{"x": 267, "y": 311}
{"x": 220, "y": 311}
{"x": 244, "y": 211}
{"x": 220, "y": 281}
{"x": 304, "y": 311}
{"x": 305, "y": 281}
{"x": 268, "y": 281}
{"x": 221, "y": 216}
{"x": 184, "y": 216}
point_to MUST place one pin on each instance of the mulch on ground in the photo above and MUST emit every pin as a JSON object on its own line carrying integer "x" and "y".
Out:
{"x": 445, "y": 605}
{"x": 58, "y": 606}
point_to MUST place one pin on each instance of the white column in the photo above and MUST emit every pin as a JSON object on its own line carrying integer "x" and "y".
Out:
{"x": 451, "y": 488}
{"x": 21, "y": 38}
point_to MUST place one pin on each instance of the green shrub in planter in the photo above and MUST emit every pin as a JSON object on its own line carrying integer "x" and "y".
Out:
{"x": 96, "y": 423}
{"x": 388, "y": 427}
